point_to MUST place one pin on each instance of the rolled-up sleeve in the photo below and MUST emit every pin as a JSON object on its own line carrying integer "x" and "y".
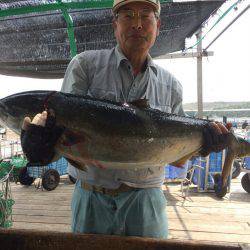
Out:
{"x": 76, "y": 78}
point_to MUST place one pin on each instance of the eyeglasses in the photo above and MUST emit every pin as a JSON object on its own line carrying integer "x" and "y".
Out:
{"x": 145, "y": 14}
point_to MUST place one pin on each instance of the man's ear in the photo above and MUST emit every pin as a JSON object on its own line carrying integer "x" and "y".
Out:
{"x": 158, "y": 26}
{"x": 114, "y": 24}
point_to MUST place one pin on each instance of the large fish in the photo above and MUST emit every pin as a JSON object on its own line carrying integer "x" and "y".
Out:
{"x": 115, "y": 135}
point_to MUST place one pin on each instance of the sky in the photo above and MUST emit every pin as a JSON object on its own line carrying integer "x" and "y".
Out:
{"x": 226, "y": 75}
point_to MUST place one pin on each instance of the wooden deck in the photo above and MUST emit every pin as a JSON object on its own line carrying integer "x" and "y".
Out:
{"x": 201, "y": 217}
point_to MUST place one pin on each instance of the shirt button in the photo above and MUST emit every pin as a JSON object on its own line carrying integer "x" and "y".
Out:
{"x": 114, "y": 207}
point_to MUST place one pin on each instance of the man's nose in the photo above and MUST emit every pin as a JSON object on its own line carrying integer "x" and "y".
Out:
{"x": 137, "y": 23}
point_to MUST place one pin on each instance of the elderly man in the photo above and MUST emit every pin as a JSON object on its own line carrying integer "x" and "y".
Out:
{"x": 124, "y": 202}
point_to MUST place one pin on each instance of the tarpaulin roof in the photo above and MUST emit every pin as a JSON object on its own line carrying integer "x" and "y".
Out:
{"x": 37, "y": 44}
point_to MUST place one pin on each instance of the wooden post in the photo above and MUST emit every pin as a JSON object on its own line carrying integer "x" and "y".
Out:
{"x": 199, "y": 75}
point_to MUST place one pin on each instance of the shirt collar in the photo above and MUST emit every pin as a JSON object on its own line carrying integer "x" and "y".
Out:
{"x": 120, "y": 57}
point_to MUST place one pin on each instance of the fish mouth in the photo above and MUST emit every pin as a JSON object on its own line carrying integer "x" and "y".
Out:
{"x": 3, "y": 113}
{"x": 7, "y": 120}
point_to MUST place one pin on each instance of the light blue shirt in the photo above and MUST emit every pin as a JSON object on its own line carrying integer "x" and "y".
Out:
{"x": 107, "y": 74}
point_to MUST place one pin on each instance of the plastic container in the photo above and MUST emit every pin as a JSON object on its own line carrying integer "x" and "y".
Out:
{"x": 198, "y": 173}
{"x": 61, "y": 166}
{"x": 214, "y": 167}
{"x": 215, "y": 162}
{"x": 175, "y": 173}
{"x": 246, "y": 162}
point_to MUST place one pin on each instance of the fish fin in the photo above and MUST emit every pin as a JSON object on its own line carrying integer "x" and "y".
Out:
{"x": 71, "y": 138}
{"x": 77, "y": 165}
{"x": 230, "y": 156}
{"x": 140, "y": 103}
{"x": 179, "y": 163}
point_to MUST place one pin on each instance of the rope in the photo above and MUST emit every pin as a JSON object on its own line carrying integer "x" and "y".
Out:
{"x": 70, "y": 29}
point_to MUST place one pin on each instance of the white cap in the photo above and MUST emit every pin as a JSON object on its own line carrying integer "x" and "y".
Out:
{"x": 119, "y": 3}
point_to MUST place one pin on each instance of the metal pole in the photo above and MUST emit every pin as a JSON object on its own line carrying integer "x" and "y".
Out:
{"x": 199, "y": 75}
{"x": 185, "y": 55}
{"x": 12, "y": 149}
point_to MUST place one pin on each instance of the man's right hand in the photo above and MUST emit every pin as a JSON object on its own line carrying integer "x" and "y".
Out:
{"x": 39, "y": 137}
{"x": 39, "y": 119}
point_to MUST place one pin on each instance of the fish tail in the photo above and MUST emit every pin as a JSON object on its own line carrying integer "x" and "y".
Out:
{"x": 226, "y": 171}
{"x": 244, "y": 148}
{"x": 237, "y": 147}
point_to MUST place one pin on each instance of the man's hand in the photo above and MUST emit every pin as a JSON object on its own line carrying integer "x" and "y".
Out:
{"x": 39, "y": 137}
{"x": 39, "y": 119}
{"x": 215, "y": 136}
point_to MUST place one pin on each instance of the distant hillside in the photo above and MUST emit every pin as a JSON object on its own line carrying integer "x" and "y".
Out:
{"x": 220, "y": 109}
{"x": 218, "y": 105}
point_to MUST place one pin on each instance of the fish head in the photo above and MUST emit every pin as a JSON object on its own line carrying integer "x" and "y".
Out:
{"x": 14, "y": 108}
{"x": 3, "y": 114}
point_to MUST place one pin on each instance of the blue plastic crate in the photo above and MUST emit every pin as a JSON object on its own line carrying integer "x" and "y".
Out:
{"x": 172, "y": 172}
{"x": 61, "y": 166}
{"x": 246, "y": 162}
{"x": 215, "y": 166}
{"x": 215, "y": 162}
{"x": 201, "y": 182}
{"x": 247, "y": 159}
{"x": 200, "y": 161}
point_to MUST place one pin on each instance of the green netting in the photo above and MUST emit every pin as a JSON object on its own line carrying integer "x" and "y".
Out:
{"x": 6, "y": 202}
{"x": 5, "y": 167}
{"x": 6, "y": 211}
{"x": 18, "y": 162}
{"x": 12, "y": 168}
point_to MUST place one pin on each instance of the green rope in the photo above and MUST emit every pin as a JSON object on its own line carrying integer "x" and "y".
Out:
{"x": 221, "y": 17}
{"x": 70, "y": 29}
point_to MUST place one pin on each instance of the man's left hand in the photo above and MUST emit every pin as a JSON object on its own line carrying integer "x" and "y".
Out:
{"x": 215, "y": 136}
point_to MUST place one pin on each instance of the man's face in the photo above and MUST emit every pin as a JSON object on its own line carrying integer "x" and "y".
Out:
{"x": 136, "y": 27}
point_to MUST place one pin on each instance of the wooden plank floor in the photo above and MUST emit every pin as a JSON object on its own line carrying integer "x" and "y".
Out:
{"x": 201, "y": 217}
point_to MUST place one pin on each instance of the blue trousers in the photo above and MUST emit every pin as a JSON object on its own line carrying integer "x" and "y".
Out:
{"x": 134, "y": 213}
